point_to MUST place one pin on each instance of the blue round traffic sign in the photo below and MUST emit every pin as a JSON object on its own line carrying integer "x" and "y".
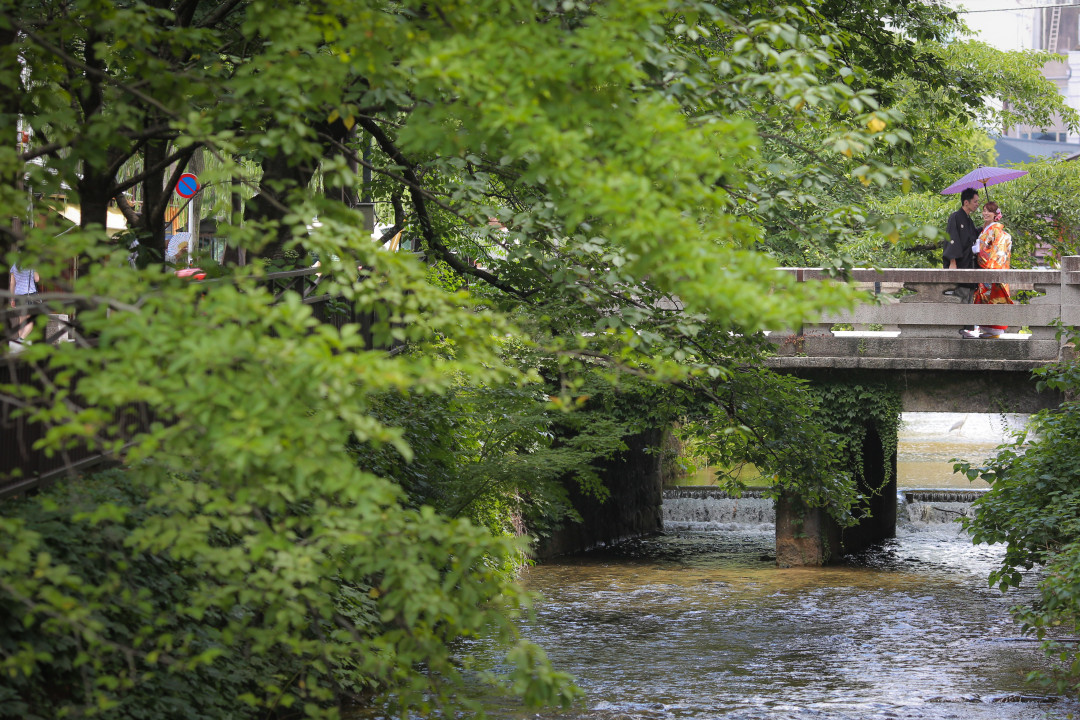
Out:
{"x": 187, "y": 186}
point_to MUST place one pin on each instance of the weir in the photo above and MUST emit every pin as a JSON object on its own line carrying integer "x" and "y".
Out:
{"x": 692, "y": 507}
{"x": 718, "y": 507}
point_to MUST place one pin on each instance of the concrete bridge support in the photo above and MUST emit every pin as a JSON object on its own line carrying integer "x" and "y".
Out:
{"x": 633, "y": 509}
{"x": 810, "y": 537}
{"x": 804, "y": 536}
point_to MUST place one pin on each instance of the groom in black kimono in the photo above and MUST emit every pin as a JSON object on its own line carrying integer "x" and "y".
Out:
{"x": 956, "y": 251}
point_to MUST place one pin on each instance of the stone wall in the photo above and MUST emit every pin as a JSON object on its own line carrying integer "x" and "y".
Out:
{"x": 633, "y": 508}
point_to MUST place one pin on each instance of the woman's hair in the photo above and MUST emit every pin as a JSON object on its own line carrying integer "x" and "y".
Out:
{"x": 993, "y": 207}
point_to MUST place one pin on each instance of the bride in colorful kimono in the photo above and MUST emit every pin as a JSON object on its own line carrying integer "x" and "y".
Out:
{"x": 994, "y": 250}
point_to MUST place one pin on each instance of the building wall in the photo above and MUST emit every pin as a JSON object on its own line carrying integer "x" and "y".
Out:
{"x": 1020, "y": 25}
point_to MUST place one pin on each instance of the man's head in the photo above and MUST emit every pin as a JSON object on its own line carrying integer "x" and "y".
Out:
{"x": 969, "y": 200}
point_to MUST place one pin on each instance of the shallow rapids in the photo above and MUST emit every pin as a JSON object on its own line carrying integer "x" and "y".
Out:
{"x": 699, "y": 623}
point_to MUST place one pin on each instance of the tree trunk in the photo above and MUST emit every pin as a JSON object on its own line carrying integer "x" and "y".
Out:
{"x": 234, "y": 255}
{"x": 95, "y": 193}
{"x": 10, "y": 176}
{"x": 269, "y": 204}
{"x": 152, "y": 233}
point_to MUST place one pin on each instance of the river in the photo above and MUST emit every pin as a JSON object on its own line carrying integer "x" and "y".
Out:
{"x": 929, "y": 441}
{"x": 700, "y": 623}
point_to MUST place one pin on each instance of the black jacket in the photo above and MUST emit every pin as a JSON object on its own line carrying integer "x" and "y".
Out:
{"x": 962, "y": 235}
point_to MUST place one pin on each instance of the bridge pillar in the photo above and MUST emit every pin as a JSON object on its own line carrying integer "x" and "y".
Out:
{"x": 805, "y": 536}
{"x": 808, "y": 536}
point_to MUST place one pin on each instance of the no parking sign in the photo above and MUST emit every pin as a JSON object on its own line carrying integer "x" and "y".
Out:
{"x": 187, "y": 185}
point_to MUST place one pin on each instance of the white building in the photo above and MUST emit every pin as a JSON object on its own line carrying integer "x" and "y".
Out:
{"x": 1052, "y": 25}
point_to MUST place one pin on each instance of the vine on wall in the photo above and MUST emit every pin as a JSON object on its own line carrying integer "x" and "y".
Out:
{"x": 849, "y": 409}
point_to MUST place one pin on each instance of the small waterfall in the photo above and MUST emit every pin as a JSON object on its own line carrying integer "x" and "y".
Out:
{"x": 934, "y": 506}
{"x": 715, "y": 509}
{"x": 695, "y": 507}
{"x": 945, "y": 495}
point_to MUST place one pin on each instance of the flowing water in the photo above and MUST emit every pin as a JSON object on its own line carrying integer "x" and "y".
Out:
{"x": 930, "y": 441}
{"x": 699, "y": 623}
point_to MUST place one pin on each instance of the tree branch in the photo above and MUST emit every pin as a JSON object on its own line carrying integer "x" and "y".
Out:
{"x": 419, "y": 200}
{"x": 133, "y": 181}
{"x": 100, "y": 74}
{"x": 219, "y": 14}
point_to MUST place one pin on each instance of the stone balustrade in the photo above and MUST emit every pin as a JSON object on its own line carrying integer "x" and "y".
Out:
{"x": 909, "y": 322}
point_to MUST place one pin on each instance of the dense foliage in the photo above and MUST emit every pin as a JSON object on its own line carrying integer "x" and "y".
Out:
{"x": 785, "y": 421}
{"x": 112, "y": 622}
{"x": 1033, "y": 508}
{"x": 590, "y": 186}
{"x": 1039, "y": 211}
{"x": 861, "y": 186}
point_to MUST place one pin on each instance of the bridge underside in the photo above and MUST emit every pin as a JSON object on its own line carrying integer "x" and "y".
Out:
{"x": 967, "y": 390}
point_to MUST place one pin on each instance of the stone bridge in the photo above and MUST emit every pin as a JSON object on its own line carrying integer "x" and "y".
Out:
{"x": 905, "y": 332}
{"x": 908, "y": 331}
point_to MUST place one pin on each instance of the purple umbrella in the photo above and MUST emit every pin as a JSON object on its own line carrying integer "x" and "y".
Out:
{"x": 980, "y": 178}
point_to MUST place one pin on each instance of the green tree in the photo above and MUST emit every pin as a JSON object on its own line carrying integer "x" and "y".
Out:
{"x": 918, "y": 100}
{"x": 273, "y": 524}
{"x": 634, "y": 157}
{"x": 1032, "y": 509}
{"x": 949, "y": 128}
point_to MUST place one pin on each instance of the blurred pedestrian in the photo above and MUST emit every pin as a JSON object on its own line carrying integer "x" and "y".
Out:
{"x": 22, "y": 284}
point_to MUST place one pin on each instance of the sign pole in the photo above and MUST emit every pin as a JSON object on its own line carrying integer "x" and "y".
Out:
{"x": 186, "y": 188}
{"x": 191, "y": 228}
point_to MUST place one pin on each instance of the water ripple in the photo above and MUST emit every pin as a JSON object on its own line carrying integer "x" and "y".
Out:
{"x": 699, "y": 623}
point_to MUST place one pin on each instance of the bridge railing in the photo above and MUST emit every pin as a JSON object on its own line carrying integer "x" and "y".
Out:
{"x": 915, "y": 315}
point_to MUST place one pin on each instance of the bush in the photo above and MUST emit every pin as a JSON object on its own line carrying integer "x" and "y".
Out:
{"x": 1033, "y": 507}
{"x": 96, "y": 623}
{"x": 92, "y": 625}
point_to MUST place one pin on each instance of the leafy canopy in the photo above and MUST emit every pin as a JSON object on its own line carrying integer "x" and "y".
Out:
{"x": 591, "y": 185}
